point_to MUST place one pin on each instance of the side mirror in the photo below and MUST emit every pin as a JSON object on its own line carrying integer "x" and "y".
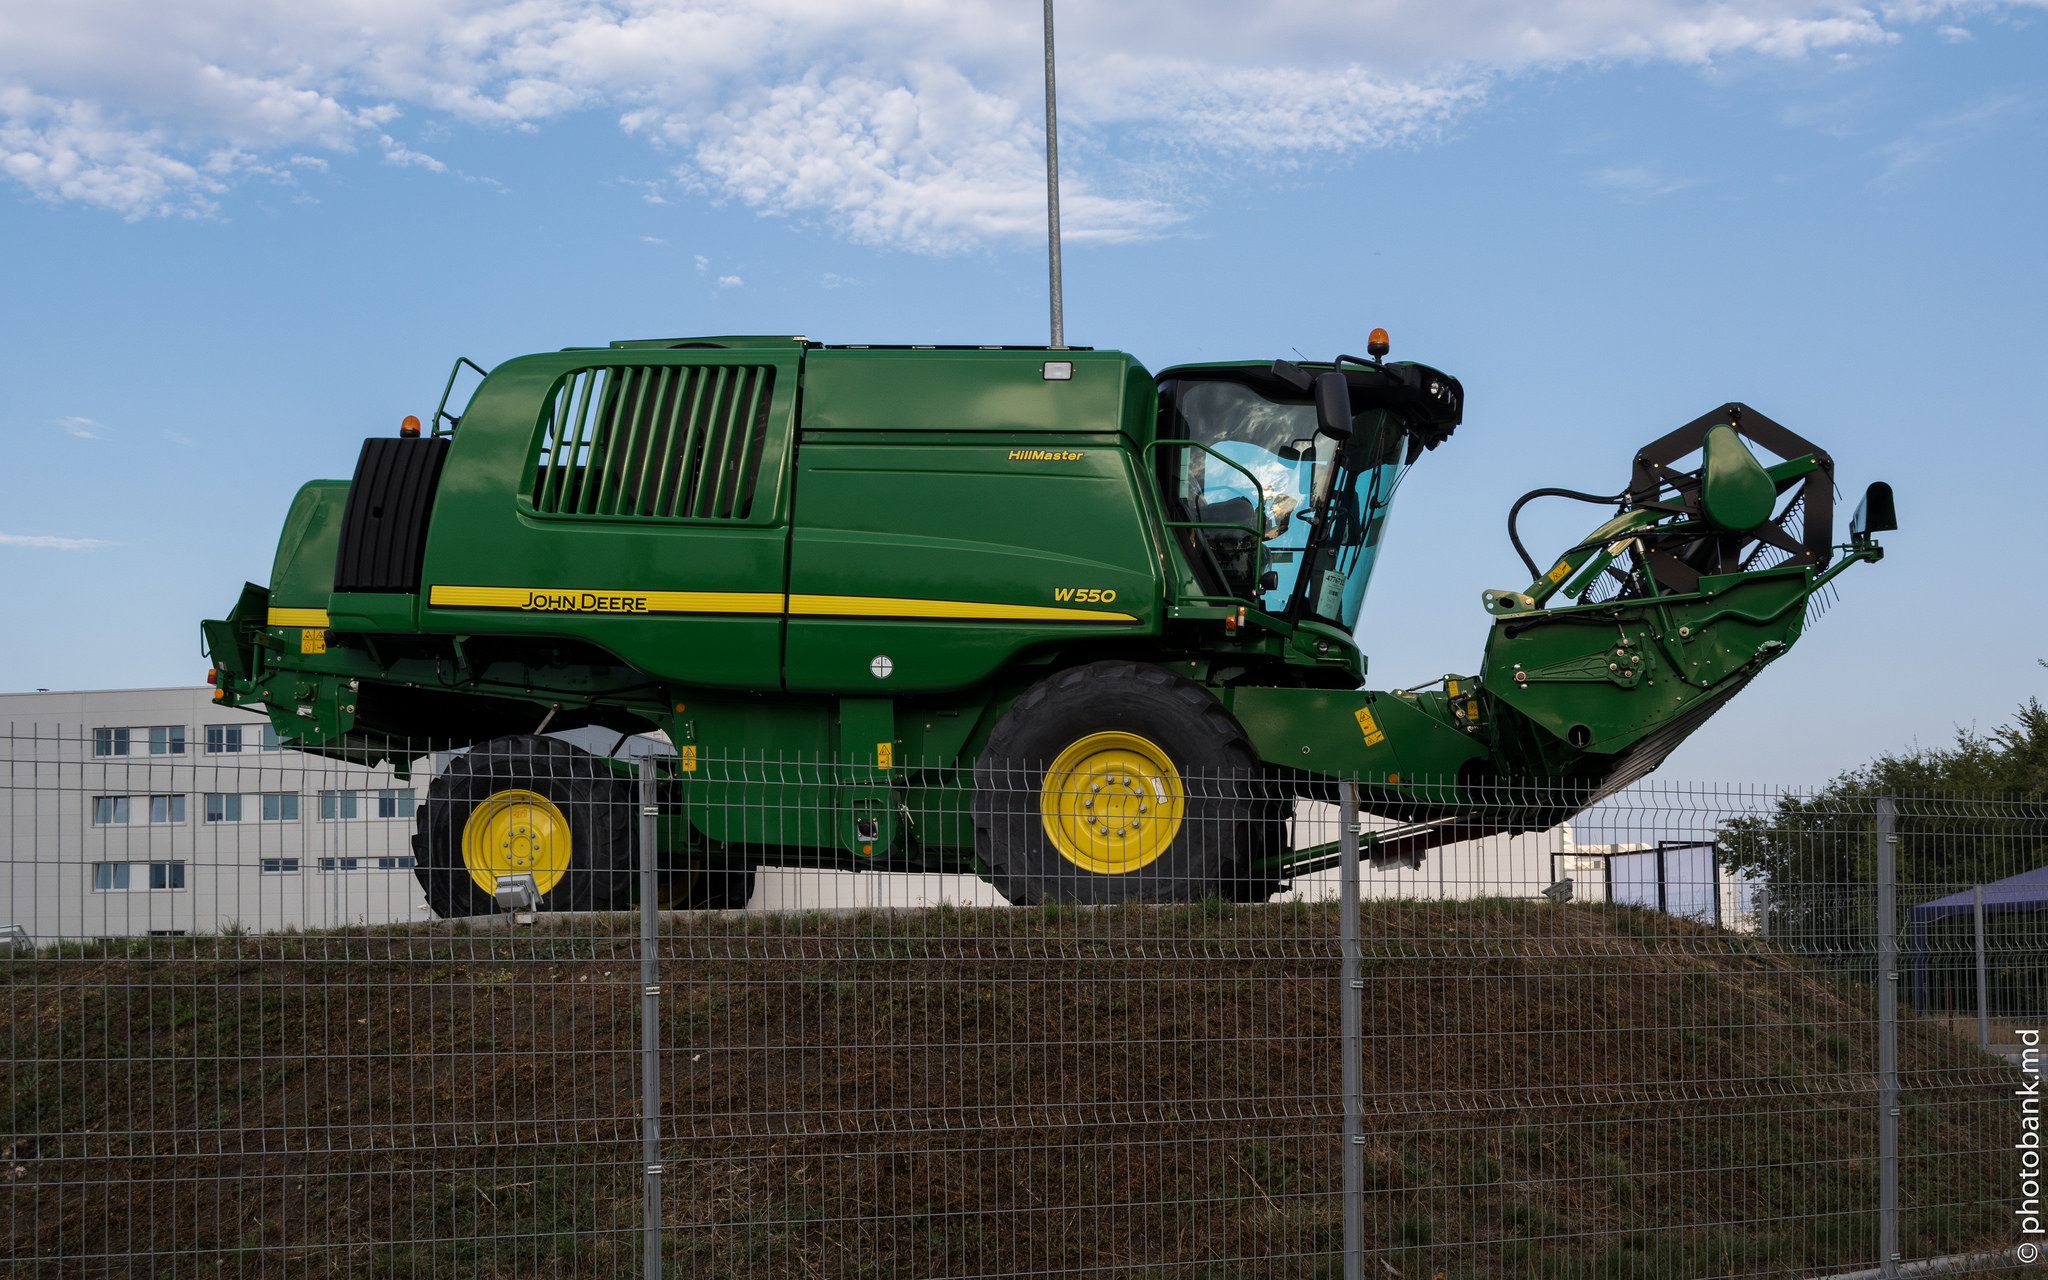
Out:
{"x": 1875, "y": 514}
{"x": 1333, "y": 405}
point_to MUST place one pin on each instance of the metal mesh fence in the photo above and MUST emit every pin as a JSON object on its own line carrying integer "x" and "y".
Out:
{"x": 534, "y": 1009}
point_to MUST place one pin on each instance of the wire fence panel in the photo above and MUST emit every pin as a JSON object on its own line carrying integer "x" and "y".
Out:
{"x": 588, "y": 1005}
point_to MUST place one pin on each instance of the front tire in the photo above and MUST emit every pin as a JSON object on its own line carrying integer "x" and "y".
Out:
{"x": 1119, "y": 781}
{"x": 526, "y": 804}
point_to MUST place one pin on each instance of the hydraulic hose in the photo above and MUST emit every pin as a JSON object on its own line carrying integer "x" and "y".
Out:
{"x": 1516, "y": 510}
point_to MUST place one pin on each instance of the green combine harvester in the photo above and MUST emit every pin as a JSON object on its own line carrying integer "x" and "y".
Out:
{"x": 1035, "y": 613}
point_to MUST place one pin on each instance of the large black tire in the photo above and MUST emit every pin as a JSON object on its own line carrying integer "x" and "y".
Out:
{"x": 1227, "y": 821}
{"x": 599, "y": 813}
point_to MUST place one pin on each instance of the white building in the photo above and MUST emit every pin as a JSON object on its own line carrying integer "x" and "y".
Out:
{"x": 153, "y": 811}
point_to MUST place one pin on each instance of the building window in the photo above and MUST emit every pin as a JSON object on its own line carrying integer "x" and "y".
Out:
{"x": 336, "y": 806}
{"x": 110, "y": 742}
{"x": 113, "y": 877}
{"x": 394, "y": 864}
{"x": 279, "y": 865}
{"x": 110, "y": 811}
{"x": 167, "y": 740}
{"x": 396, "y": 803}
{"x": 339, "y": 864}
{"x": 223, "y": 738}
{"x": 166, "y": 809}
{"x": 270, "y": 742}
{"x": 267, "y": 806}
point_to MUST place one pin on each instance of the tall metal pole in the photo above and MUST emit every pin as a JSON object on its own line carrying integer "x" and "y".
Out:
{"x": 1052, "y": 185}
{"x": 1887, "y": 1038}
{"x": 1351, "y": 1017}
{"x": 650, "y": 1026}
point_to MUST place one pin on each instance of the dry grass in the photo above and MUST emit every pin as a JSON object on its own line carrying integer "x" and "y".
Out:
{"x": 1585, "y": 1092}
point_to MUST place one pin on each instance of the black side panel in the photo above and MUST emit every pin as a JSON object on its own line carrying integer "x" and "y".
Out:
{"x": 384, "y": 525}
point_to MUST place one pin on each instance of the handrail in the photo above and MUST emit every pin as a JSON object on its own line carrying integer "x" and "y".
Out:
{"x": 441, "y": 410}
{"x": 1258, "y": 535}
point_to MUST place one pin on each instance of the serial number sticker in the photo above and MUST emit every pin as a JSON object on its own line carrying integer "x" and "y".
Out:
{"x": 688, "y": 762}
{"x": 1369, "y": 727}
{"x": 312, "y": 640}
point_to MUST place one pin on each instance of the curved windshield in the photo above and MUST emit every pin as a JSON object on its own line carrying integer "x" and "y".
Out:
{"x": 1244, "y": 481}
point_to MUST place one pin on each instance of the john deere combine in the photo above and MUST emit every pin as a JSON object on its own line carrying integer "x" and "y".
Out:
{"x": 1033, "y": 612}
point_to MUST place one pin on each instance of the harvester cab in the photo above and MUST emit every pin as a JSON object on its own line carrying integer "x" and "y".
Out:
{"x": 1033, "y": 613}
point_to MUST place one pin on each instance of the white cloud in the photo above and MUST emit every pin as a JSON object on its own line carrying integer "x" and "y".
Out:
{"x": 833, "y": 280}
{"x": 703, "y": 263}
{"x": 83, "y": 428}
{"x": 652, "y": 240}
{"x": 730, "y": 282}
{"x": 47, "y": 542}
{"x": 398, "y": 153}
{"x": 898, "y": 122}
{"x": 1637, "y": 185}
{"x": 1941, "y": 134}
{"x": 1955, "y": 35}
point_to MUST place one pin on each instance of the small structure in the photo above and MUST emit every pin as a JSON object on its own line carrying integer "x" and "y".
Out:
{"x": 2025, "y": 893}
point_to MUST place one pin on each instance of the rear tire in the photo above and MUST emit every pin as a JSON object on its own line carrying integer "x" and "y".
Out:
{"x": 533, "y": 805}
{"x": 1118, "y": 782}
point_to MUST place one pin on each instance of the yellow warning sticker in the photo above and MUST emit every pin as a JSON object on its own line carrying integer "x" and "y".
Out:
{"x": 313, "y": 640}
{"x": 1369, "y": 727}
{"x": 1557, "y": 574}
{"x": 689, "y": 760}
{"x": 1451, "y": 688}
{"x": 885, "y": 754}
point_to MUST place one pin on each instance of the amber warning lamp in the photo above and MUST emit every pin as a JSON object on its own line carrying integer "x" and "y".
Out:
{"x": 1376, "y": 344}
{"x": 410, "y": 428}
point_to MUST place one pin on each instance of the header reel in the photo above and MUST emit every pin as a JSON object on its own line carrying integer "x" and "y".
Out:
{"x": 1729, "y": 515}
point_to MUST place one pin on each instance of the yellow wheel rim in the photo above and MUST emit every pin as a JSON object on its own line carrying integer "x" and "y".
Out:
{"x": 516, "y": 831}
{"x": 1112, "y": 803}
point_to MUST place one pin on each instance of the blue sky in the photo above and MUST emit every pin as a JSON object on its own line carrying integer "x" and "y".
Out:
{"x": 240, "y": 239}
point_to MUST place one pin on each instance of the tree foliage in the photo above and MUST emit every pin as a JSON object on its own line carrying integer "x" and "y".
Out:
{"x": 1968, "y": 813}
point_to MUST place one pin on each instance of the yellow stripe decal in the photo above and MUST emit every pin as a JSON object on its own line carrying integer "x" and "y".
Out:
{"x": 548, "y": 600}
{"x": 298, "y": 618}
{"x": 539, "y": 600}
{"x": 961, "y": 610}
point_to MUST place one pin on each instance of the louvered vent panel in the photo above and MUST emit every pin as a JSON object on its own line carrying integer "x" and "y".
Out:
{"x": 659, "y": 442}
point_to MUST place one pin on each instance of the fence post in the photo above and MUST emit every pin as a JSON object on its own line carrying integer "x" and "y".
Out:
{"x": 1351, "y": 998}
{"x": 650, "y": 1028}
{"x": 1888, "y": 1036}
{"x": 1983, "y": 973}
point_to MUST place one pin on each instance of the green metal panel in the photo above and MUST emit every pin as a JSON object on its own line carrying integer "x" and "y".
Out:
{"x": 949, "y": 556}
{"x": 604, "y": 555}
{"x": 1352, "y": 733}
{"x": 953, "y": 391}
{"x": 302, "y": 573}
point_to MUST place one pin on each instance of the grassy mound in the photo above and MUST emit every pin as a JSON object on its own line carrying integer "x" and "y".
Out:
{"x": 1584, "y": 1091}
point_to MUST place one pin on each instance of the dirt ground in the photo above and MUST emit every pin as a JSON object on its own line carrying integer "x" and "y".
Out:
{"x": 1581, "y": 1091}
